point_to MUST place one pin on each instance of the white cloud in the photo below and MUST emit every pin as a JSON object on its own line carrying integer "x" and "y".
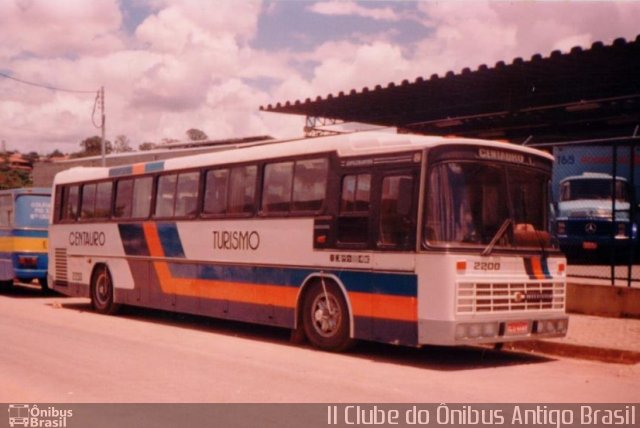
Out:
{"x": 371, "y": 64}
{"x": 351, "y": 8}
{"x": 48, "y": 28}
{"x": 467, "y": 34}
{"x": 191, "y": 63}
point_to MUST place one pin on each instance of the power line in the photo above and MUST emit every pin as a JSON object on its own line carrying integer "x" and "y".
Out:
{"x": 98, "y": 102}
{"x": 40, "y": 85}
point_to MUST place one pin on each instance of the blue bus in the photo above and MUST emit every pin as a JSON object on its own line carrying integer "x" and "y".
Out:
{"x": 24, "y": 221}
{"x": 586, "y": 222}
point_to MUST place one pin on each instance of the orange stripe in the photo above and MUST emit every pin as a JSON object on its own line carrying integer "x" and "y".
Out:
{"x": 137, "y": 168}
{"x": 225, "y": 290}
{"x": 536, "y": 265}
{"x": 153, "y": 239}
{"x": 384, "y": 306}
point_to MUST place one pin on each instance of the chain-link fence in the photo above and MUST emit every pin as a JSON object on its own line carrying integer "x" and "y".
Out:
{"x": 596, "y": 193}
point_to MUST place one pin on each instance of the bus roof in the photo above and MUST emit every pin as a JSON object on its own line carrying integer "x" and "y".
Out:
{"x": 27, "y": 191}
{"x": 591, "y": 176}
{"x": 346, "y": 145}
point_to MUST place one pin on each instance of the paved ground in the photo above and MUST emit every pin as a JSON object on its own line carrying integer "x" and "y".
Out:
{"x": 611, "y": 340}
{"x": 601, "y": 332}
{"x": 55, "y": 349}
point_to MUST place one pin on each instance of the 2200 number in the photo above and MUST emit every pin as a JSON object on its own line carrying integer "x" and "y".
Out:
{"x": 486, "y": 266}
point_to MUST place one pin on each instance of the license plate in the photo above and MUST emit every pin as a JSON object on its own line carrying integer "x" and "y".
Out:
{"x": 517, "y": 328}
{"x": 590, "y": 245}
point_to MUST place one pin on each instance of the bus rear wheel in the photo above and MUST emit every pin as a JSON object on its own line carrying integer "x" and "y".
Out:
{"x": 102, "y": 292}
{"x": 325, "y": 317}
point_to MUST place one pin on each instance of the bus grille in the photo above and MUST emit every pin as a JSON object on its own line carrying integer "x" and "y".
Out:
{"x": 61, "y": 267}
{"x": 474, "y": 297}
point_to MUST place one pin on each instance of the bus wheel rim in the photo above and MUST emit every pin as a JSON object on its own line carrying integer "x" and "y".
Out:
{"x": 326, "y": 315}
{"x": 102, "y": 290}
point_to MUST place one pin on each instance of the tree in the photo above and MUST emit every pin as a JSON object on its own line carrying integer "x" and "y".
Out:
{"x": 93, "y": 147}
{"x": 196, "y": 134}
{"x": 12, "y": 179}
{"x": 147, "y": 146}
{"x": 55, "y": 154}
{"x": 168, "y": 141}
{"x": 122, "y": 144}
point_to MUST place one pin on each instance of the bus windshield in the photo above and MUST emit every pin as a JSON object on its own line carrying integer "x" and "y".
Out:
{"x": 487, "y": 204}
{"x": 580, "y": 189}
{"x": 32, "y": 211}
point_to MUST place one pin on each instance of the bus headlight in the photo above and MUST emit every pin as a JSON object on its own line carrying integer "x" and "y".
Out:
{"x": 562, "y": 228}
{"x": 490, "y": 329}
{"x": 476, "y": 330}
{"x": 552, "y": 326}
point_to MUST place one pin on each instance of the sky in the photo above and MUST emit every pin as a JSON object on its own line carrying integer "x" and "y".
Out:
{"x": 170, "y": 65}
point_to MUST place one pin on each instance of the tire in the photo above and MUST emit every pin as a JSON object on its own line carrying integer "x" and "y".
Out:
{"x": 102, "y": 292}
{"x": 6, "y": 285}
{"x": 44, "y": 284}
{"x": 326, "y": 325}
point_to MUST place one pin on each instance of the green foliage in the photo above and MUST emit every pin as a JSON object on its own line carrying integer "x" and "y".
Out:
{"x": 92, "y": 147}
{"x": 122, "y": 144}
{"x": 146, "y": 146}
{"x": 11, "y": 179}
{"x": 196, "y": 134}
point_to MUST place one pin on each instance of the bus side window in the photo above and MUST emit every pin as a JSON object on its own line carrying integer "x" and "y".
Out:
{"x": 353, "y": 221}
{"x": 396, "y": 220}
{"x": 309, "y": 184}
{"x": 215, "y": 192}
{"x": 88, "y": 203}
{"x": 187, "y": 194}
{"x": 103, "y": 200}
{"x": 6, "y": 210}
{"x": 165, "y": 195}
{"x": 70, "y": 202}
{"x": 278, "y": 181}
{"x": 124, "y": 193}
{"x": 142, "y": 191}
{"x": 242, "y": 189}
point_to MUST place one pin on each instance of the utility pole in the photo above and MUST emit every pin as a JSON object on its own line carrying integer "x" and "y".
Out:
{"x": 102, "y": 127}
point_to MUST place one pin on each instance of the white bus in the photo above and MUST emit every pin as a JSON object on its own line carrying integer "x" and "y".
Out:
{"x": 386, "y": 237}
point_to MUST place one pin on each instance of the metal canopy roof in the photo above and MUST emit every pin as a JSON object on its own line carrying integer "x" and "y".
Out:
{"x": 593, "y": 93}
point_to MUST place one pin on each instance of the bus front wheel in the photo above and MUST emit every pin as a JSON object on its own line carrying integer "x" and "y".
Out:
{"x": 326, "y": 317}
{"x": 102, "y": 292}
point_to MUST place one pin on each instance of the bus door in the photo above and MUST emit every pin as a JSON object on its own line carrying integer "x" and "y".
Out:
{"x": 394, "y": 304}
{"x": 375, "y": 235}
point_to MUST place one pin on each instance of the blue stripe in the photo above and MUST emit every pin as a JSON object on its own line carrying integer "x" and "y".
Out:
{"x": 154, "y": 166}
{"x": 120, "y": 170}
{"x": 31, "y": 233}
{"x": 24, "y": 233}
{"x": 545, "y": 267}
{"x": 170, "y": 240}
{"x": 364, "y": 282}
{"x": 380, "y": 283}
{"x": 133, "y": 240}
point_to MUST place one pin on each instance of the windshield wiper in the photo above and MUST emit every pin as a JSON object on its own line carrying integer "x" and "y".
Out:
{"x": 497, "y": 237}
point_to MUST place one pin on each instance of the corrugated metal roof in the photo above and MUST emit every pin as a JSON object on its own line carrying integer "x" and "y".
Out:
{"x": 585, "y": 92}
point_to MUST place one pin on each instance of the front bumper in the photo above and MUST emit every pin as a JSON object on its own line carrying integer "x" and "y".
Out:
{"x": 477, "y": 331}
